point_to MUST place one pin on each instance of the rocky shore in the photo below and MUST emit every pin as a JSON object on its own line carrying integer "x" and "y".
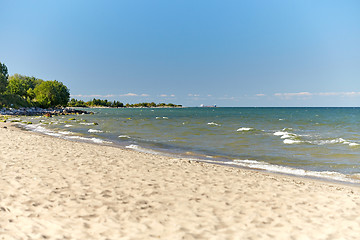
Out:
{"x": 34, "y": 111}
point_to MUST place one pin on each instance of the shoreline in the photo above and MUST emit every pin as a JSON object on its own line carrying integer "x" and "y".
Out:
{"x": 183, "y": 157}
{"x": 35, "y": 111}
{"x": 55, "y": 188}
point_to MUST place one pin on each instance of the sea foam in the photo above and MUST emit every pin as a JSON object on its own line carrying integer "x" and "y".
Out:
{"x": 141, "y": 149}
{"x": 213, "y": 123}
{"x": 94, "y": 131}
{"x": 124, "y": 136}
{"x": 289, "y": 138}
{"x": 334, "y": 141}
{"x": 293, "y": 171}
{"x": 242, "y": 129}
{"x": 60, "y": 134}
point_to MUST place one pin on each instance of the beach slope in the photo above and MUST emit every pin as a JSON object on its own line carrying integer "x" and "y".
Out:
{"x": 58, "y": 189}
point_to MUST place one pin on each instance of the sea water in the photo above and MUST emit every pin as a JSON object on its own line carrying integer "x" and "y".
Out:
{"x": 315, "y": 142}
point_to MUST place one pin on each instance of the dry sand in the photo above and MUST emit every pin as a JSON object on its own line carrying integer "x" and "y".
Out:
{"x": 57, "y": 189}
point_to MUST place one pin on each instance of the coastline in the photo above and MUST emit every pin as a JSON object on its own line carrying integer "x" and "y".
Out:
{"x": 35, "y": 111}
{"x": 54, "y": 188}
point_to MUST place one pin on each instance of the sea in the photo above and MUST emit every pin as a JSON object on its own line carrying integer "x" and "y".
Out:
{"x": 309, "y": 142}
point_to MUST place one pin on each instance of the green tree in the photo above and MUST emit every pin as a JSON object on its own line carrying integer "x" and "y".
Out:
{"x": 17, "y": 85}
{"x": 51, "y": 94}
{"x": 3, "y": 77}
{"x": 76, "y": 103}
{"x": 22, "y": 85}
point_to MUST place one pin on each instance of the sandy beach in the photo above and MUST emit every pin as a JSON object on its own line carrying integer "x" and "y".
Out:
{"x": 52, "y": 188}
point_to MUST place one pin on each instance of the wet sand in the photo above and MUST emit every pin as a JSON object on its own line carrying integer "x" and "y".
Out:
{"x": 52, "y": 188}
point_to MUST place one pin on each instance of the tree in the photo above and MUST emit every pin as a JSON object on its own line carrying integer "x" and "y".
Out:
{"x": 51, "y": 94}
{"x": 3, "y": 77}
{"x": 76, "y": 103}
{"x": 17, "y": 85}
{"x": 22, "y": 85}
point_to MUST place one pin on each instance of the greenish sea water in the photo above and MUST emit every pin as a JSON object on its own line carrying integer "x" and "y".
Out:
{"x": 315, "y": 142}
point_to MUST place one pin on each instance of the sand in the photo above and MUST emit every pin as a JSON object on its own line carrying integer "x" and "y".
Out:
{"x": 52, "y": 188}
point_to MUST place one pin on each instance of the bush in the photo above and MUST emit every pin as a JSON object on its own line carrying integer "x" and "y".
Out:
{"x": 15, "y": 101}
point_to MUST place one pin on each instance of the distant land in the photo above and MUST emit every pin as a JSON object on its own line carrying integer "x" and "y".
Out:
{"x": 116, "y": 104}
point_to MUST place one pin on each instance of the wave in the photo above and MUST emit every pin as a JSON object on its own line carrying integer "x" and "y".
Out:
{"x": 61, "y": 134}
{"x": 289, "y": 138}
{"x": 124, "y": 136}
{"x": 141, "y": 149}
{"x": 94, "y": 140}
{"x": 94, "y": 131}
{"x": 292, "y": 138}
{"x": 38, "y": 128}
{"x": 334, "y": 141}
{"x": 294, "y": 171}
{"x": 65, "y": 132}
{"x": 213, "y": 123}
{"x": 242, "y": 129}
{"x": 291, "y": 141}
{"x": 88, "y": 124}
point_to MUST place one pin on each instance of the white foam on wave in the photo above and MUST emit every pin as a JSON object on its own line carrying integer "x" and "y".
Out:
{"x": 331, "y": 141}
{"x": 38, "y": 128}
{"x": 291, "y": 141}
{"x": 280, "y": 133}
{"x": 289, "y": 138}
{"x": 132, "y": 146}
{"x": 95, "y": 140}
{"x": 293, "y": 171}
{"x": 259, "y": 165}
{"x": 65, "y": 132}
{"x": 94, "y": 131}
{"x": 87, "y": 124}
{"x": 334, "y": 141}
{"x": 62, "y": 134}
{"x": 213, "y": 123}
{"x": 292, "y": 138}
{"x": 68, "y": 125}
{"x": 124, "y": 136}
{"x": 140, "y": 149}
{"x": 244, "y": 129}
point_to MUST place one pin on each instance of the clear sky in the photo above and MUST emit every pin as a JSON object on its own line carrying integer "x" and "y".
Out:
{"x": 190, "y": 52}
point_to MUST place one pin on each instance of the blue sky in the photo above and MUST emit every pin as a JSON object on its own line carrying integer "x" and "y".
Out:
{"x": 229, "y": 53}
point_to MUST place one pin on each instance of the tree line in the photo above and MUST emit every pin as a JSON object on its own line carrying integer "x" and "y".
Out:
{"x": 116, "y": 104}
{"x": 94, "y": 103}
